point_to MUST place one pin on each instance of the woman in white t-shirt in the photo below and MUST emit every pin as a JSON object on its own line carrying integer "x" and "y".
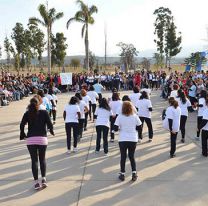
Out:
{"x": 115, "y": 103}
{"x": 54, "y": 102}
{"x": 102, "y": 115}
{"x": 135, "y": 96}
{"x": 174, "y": 93}
{"x": 128, "y": 123}
{"x": 173, "y": 114}
{"x": 202, "y": 107}
{"x": 185, "y": 106}
{"x": 204, "y": 127}
{"x": 87, "y": 100}
{"x": 94, "y": 97}
{"x": 71, "y": 116}
{"x": 144, "y": 106}
{"x": 83, "y": 109}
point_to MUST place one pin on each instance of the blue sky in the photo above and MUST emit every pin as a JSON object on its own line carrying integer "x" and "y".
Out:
{"x": 130, "y": 21}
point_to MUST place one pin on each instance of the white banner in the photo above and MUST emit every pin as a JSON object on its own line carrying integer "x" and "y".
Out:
{"x": 66, "y": 78}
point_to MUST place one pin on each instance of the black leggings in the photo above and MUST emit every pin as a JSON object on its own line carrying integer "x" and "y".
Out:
{"x": 183, "y": 126}
{"x": 38, "y": 151}
{"x": 112, "y": 122}
{"x": 199, "y": 121}
{"x": 173, "y": 138}
{"x": 102, "y": 131}
{"x": 81, "y": 127}
{"x": 149, "y": 125}
{"x": 131, "y": 147}
{"x": 53, "y": 113}
{"x": 69, "y": 127}
{"x": 85, "y": 120}
{"x": 204, "y": 142}
{"x": 92, "y": 110}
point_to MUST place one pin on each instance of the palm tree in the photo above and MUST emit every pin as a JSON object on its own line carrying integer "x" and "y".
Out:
{"x": 84, "y": 16}
{"x": 48, "y": 18}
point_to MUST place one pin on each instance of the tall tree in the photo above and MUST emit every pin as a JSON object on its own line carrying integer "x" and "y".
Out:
{"x": 173, "y": 42}
{"x": 84, "y": 16}
{"x": 7, "y": 46}
{"x": 49, "y": 16}
{"x": 128, "y": 52}
{"x": 162, "y": 21}
{"x": 59, "y": 47}
{"x": 159, "y": 60}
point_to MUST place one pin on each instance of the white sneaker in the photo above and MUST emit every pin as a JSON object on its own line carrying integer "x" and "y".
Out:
{"x": 75, "y": 150}
{"x": 68, "y": 151}
{"x": 197, "y": 138}
{"x": 139, "y": 140}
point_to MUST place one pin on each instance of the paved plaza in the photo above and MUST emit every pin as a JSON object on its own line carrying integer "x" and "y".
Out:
{"x": 87, "y": 179}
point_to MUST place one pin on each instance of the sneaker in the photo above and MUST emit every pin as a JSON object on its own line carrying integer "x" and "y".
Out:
{"x": 134, "y": 176}
{"x": 139, "y": 140}
{"x": 68, "y": 151}
{"x": 105, "y": 154}
{"x": 97, "y": 152}
{"x": 54, "y": 122}
{"x": 85, "y": 129}
{"x": 37, "y": 186}
{"x": 44, "y": 184}
{"x": 150, "y": 140}
{"x": 111, "y": 140}
{"x": 182, "y": 140}
{"x": 121, "y": 176}
{"x": 75, "y": 150}
{"x": 172, "y": 155}
{"x": 197, "y": 138}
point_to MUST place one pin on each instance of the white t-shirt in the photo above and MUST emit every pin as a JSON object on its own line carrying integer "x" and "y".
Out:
{"x": 201, "y": 110}
{"x": 71, "y": 113}
{"x": 50, "y": 98}
{"x": 148, "y": 91}
{"x": 175, "y": 115}
{"x": 184, "y": 107}
{"x": 87, "y": 100}
{"x": 82, "y": 106}
{"x": 174, "y": 94}
{"x": 46, "y": 103}
{"x": 143, "y": 106}
{"x": 42, "y": 107}
{"x": 205, "y": 117}
{"x": 114, "y": 105}
{"x": 103, "y": 117}
{"x": 93, "y": 96}
{"x": 134, "y": 98}
{"x": 127, "y": 125}
{"x": 119, "y": 109}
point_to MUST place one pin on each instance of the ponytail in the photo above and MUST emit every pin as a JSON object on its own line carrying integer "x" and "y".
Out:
{"x": 33, "y": 108}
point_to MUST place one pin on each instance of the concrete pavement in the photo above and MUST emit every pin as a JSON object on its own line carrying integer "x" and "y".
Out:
{"x": 86, "y": 179}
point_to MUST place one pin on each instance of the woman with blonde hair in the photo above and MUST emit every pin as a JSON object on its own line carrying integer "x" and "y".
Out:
{"x": 129, "y": 124}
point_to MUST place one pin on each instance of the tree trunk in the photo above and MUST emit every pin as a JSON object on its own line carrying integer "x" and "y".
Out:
{"x": 49, "y": 49}
{"x": 87, "y": 48}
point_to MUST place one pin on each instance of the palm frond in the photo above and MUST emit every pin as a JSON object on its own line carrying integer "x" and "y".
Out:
{"x": 34, "y": 20}
{"x": 80, "y": 15}
{"x": 70, "y": 21}
{"x": 57, "y": 16}
{"x": 91, "y": 20}
{"x": 52, "y": 13}
{"x": 93, "y": 9}
{"x": 43, "y": 12}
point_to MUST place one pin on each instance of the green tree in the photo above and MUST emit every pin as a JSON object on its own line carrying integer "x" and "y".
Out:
{"x": 16, "y": 58}
{"x": 173, "y": 42}
{"x": 162, "y": 21}
{"x": 128, "y": 52}
{"x": 159, "y": 60}
{"x": 146, "y": 63}
{"x": 195, "y": 59}
{"x": 59, "y": 47}
{"x": 48, "y": 19}
{"x": 75, "y": 63}
{"x": 84, "y": 16}
{"x": 7, "y": 46}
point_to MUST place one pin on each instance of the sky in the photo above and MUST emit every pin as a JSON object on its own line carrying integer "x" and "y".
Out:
{"x": 129, "y": 21}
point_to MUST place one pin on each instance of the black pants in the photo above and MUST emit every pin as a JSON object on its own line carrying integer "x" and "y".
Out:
{"x": 92, "y": 110}
{"x": 199, "y": 121}
{"x": 102, "y": 131}
{"x": 131, "y": 147}
{"x": 100, "y": 97}
{"x": 81, "y": 127}
{"x": 53, "y": 113}
{"x": 183, "y": 126}
{"x": 69, "y": 127}
{"x": 204, "y": 142}
{"x": 149, "y": 125}
{"x": 38, "y": 151}
{"x": 173, "y": 138}
{"x": 86, "y": 118}
{"x": 112, "y": 122}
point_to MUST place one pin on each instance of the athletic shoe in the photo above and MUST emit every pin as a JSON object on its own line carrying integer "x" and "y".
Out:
{"x": 172, "y": 155}
{"x": 182, "y": 140}
{"x": 134, "y": 176}
{"x": 105, "y": 154}
{"x": 97, "y": 152}
{"x": 68, "y": 151}
{"x": 44, "y": 184}
{"x": 139, "y": 140}
{"x": 37, "y": 186}
{"x": 111, "y": 140}
{"x": 150, "y": 140}
{"x": 121, "y": 176}
{"x": 75, "y": 150}
{"x": 197, "y": 138}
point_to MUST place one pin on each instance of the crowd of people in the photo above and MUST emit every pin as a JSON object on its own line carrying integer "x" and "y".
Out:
{"x": 186, "y": 92}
